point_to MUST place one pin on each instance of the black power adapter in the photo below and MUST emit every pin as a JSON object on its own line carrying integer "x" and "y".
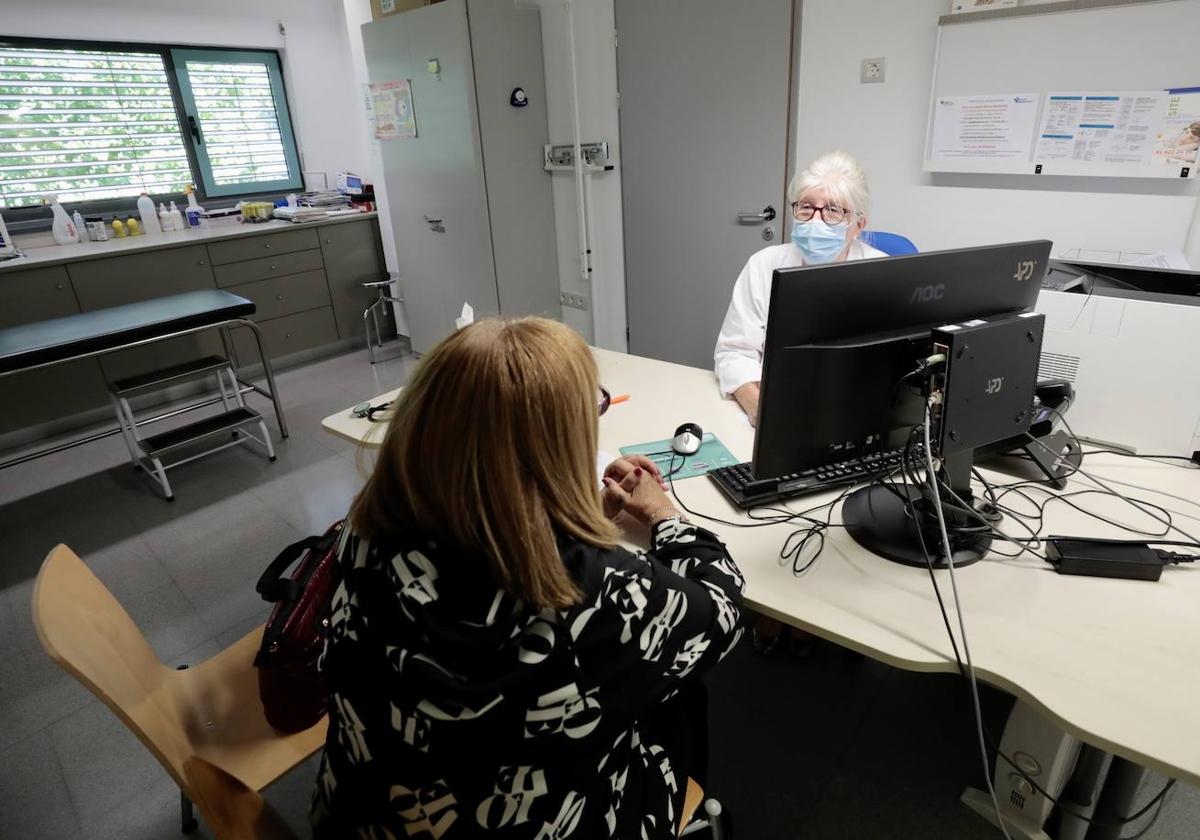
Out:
{"x": 1105, "y": 558}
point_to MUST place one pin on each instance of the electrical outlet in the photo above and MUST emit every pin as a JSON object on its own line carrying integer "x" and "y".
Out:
{"x": 574, "y": 301}
{"x": 873, "y": 70}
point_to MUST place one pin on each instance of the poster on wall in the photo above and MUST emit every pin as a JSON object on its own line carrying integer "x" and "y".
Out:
{"x": 393, "y": 110}
{"x": 994, "y": 126}
{"x": 1100, "y": 127}
{"x": 1177, "y": 142}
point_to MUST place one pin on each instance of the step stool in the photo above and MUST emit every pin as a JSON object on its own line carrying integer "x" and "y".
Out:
{"x": 237, "y": 419}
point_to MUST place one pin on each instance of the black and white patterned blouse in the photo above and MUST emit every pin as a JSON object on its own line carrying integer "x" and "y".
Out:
{"x": 458, "y": 712}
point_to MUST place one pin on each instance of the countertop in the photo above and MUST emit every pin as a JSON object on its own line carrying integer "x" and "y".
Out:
{"x": 113, "y": 247}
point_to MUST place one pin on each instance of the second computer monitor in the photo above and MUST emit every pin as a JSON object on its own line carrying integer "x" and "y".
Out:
{"x": 841, "y": 337}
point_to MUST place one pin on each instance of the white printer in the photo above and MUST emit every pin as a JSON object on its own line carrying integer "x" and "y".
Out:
{"x": 1128, "y": 338}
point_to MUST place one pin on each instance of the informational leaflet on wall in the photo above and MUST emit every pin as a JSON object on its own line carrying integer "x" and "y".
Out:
{"x": 393, "y": 110}
{"x": 995, "y": 126}
{"x": 1178, "y": 139}
{"x": 1100, "y": 127}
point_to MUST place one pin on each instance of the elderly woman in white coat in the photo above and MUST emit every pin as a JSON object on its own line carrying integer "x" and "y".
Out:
{"x": 829, "y": 202}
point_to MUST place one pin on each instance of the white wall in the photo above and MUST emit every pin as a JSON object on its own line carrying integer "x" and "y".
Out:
{"x": 883, "y": 125}
{"x": 317, "y": 69}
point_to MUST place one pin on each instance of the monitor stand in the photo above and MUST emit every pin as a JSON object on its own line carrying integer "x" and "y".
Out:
{"x": 885, "y": 522}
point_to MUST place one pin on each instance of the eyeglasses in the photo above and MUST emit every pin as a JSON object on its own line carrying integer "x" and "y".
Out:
{"x": 831, "y": 213}
{"x": 603, "y": 400}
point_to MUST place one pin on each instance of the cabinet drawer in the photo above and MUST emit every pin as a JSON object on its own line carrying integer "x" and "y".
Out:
{"x": 35, "y": 295}
{"x": 281, "y": 296}
{"x": 249, "y": 247}
{"x": 245, "y": 272}
{"x": 289, "y": 334}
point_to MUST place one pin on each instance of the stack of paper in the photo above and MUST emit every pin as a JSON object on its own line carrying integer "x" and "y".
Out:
{"x": 328, "y": 199}
{"x": 299, "y": 214}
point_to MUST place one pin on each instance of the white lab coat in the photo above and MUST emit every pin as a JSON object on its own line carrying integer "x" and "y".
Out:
{"x": 739, "y": 350}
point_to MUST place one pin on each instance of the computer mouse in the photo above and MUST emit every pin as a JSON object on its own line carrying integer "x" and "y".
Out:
{"x": 687, "y": 439}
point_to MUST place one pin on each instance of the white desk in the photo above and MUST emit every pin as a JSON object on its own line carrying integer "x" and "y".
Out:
{"x": 1115, "y": 662}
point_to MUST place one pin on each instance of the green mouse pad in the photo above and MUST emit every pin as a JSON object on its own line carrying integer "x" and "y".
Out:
{"x": 712, "y": 454}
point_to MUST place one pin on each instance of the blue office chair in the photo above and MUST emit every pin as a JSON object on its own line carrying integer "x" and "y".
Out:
{"x": 892, "y": 244}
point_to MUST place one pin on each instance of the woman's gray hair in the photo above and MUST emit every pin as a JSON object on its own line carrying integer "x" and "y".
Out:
{"x": 840, "y": 176}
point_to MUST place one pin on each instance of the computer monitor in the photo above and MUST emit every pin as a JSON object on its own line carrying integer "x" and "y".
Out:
{"x": 841, "y": 338}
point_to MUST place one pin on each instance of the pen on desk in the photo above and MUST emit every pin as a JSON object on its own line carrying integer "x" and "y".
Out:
{"x": 620, "y": 398}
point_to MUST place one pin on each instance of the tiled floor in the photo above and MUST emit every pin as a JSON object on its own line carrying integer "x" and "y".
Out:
{"x": 831, "y": 747}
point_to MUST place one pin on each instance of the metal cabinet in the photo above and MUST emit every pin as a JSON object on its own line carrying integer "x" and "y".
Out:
{"x": 353, "y": 255}
{"x": 117, "y": 280}
{"x": 466, "y": 232}
{"x": 39, "y": 395}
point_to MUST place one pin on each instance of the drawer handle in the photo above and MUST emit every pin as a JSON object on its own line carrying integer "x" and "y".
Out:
{"x": 287, "y": 335}
{"x": 272, "y": 268}
{"x": 199, "y": 262}
{"x": 267, "y": 245}
{"x": 278, "y": 297}
{"x": 328, "y": 241}
{"x": 58, "y": 285}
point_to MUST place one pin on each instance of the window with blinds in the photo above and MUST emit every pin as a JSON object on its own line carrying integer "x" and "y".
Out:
{"x": 98, "y": 124}
{"x": 238, "y": 120}
{"x": 87, "y": 125}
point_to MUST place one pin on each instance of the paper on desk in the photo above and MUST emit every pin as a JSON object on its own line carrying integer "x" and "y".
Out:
{"x": 1155, "y": 259}
{"x": 1164, "y": 259}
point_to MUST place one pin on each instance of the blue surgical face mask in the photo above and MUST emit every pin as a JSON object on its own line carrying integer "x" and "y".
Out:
{"x": 818, "y": 241}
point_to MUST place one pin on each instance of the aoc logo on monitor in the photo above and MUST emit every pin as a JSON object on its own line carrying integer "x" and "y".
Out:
{"x": 925, "y": 294}
{"x": 1024, "y": 270}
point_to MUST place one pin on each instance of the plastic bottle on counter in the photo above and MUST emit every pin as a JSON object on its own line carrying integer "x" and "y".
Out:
{"x": 177, "y": 222}
{"x": 149, "y": 219}
{"x": 80, "y": 225}
{"x": 194, "y": 212}
{"x": 119, "y": 230}
{"x": 133, "y": 226}
{"x": 164, "y": 218}
{"x": 62, "y": 228}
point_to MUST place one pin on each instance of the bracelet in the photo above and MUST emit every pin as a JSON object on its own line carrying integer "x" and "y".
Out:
{"x": 678, "y": 517}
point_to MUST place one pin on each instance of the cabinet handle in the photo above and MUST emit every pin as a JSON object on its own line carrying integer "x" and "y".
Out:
{"x": 58, "y": 285}
{"x": 328, "y": 241}
{"x": 278, "y": 297}
{"x": 200, "y": 262}
{"x": 287, "y": 335}
{"x": 272, "y": 268}
{"x": 267, "y": 245}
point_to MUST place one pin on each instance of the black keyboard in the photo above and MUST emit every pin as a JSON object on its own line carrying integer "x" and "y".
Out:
{"x": 746, "y": 491}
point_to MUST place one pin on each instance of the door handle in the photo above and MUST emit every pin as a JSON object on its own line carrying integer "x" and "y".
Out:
{"x": 748, "y": 217}
{"x": 435, "y": 224}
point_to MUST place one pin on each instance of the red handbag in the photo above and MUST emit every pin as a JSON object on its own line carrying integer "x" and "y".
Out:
{"x": 290, "y": 685}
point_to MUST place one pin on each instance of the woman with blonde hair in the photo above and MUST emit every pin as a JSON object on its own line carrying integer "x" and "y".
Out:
{"x": 499, "y": 666}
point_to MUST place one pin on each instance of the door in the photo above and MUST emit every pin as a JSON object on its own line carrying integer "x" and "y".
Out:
{"x": 704, "y": 88}
{"x": 434, "y": 181}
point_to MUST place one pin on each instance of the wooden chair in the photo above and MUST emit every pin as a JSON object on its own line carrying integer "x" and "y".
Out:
{"x": 230, "y": 809}
{"x": 211, "y": 711}
{"x": 715, "y": 821}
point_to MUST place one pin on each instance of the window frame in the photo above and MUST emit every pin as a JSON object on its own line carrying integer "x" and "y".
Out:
{"x": 179, "y": 57}
{"x": 29, "y": 219}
